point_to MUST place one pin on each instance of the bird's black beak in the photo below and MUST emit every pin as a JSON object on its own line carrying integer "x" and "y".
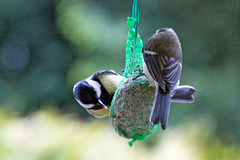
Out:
{"x": 100, "y": 103}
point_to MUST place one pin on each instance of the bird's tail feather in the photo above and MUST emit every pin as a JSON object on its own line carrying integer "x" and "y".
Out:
{"x": 161, "y": 108}
{"x": 183, "y": 94}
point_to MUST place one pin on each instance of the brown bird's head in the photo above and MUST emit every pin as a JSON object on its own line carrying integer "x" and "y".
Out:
{"x": 165, "y": 41}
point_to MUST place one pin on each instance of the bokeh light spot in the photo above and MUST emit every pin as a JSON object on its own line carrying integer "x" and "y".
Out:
{"x": 14, "y": 55}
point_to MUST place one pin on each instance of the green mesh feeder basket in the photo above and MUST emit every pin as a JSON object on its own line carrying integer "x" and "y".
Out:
{"x": 133, "y": 100}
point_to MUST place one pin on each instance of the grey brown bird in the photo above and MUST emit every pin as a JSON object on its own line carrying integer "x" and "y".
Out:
{"x": 162, "y": 65}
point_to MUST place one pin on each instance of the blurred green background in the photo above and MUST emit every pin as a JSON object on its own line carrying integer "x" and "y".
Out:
{"x": 47, "y": 46}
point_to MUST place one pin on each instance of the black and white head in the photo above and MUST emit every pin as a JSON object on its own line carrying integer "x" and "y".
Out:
{"x": 87, "y": 93}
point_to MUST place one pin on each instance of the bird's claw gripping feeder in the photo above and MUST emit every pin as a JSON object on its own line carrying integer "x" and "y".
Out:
{"x": 133, "y": 100}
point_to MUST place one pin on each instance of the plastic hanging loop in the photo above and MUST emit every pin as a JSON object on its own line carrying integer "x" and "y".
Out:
{"x": 135, "y": 14}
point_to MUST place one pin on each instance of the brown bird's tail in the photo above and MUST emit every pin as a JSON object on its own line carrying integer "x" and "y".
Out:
{"x": 183, "y": 94}
{"x": 161, "y": 108}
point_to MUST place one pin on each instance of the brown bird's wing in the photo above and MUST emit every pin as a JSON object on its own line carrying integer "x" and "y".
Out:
{"x": 164, "y": 70}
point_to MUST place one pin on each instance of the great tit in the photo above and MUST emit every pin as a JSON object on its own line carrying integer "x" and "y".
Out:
{"x": 96, "y": 92}
{"x": 162, "y": 54}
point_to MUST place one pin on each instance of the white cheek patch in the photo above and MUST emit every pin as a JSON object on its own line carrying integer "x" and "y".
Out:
{"x": 95, "y": 85}
{"x": 75, "y": 86}
{"x": 85, "y": 105}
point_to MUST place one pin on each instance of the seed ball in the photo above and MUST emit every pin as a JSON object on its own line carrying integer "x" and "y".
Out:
{"x": 131, "y": 109}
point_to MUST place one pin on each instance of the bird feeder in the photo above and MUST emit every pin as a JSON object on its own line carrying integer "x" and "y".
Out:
{"x": 134, "y": 98}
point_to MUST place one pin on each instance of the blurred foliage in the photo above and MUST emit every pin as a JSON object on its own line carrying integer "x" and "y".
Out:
{"x": 47, "y": 46}
{"x": 47, "y": 135}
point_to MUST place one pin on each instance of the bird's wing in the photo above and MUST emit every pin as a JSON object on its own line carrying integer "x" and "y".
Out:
{"x": 164, "y": 70}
